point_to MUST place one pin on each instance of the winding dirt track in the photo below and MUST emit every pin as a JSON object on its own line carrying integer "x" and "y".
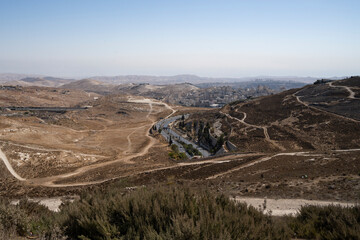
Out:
{"x": 321, "y": 110}
{"x": 351, "y": 92}
{"x": 9, "y": 167}
{"x": 260, "y": 161}
{"x": 267, "y": 158}
{"x": 49, "y": 181}
{"x": 281, "y": 207}
{"x": 266, "y": 134}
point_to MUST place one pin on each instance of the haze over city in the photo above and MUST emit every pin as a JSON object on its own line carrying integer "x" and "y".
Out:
{"x": 207, "y": 38}
{"x": 196, "y": 120}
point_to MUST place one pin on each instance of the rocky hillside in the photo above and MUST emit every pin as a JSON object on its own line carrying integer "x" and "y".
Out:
{"x": 321, "y": 116}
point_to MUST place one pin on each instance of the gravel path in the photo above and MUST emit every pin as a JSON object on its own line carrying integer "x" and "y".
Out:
{"x": 281, "y": 207}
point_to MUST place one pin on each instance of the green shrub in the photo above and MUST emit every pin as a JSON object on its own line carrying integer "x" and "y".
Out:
{"x": 330, "y": 222}
{"x": 12, "y": 219}
{"x": 171, "y": 213}
{"x": 41, "y": 219}
{"x": 165, "y": 213}
{"x": 26, "y": 217}
{"x": 189, "y": 148}
{"x": 176, "y": 154}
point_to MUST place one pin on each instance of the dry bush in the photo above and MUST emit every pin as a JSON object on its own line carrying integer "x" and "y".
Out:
{"x": 171, "y": 212}
{"x": 165, "y": 213}
{"x": 330, "y": 222}
{"x": 13, "y": 221}
{"x": 26, "y": 217}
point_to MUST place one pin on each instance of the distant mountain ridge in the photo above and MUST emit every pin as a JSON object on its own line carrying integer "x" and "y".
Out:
{"x": 193, "y": 79}
{"x": 39, "y": 81}
{"x": 7, "y": 77}
{"x": 181, "y": 78}
{"x": 90, "y": 85}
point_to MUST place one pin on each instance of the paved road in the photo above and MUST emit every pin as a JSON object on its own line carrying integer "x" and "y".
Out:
{"x": 166, "y": 132}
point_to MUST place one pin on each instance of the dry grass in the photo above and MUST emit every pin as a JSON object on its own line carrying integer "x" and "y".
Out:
{"x": 171, "y": 212}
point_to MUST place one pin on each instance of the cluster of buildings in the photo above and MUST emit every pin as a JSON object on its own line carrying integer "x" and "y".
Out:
{"x": 216, "y": 96}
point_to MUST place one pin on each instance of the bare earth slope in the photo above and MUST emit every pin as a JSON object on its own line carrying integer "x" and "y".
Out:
{"x": 39, "y": 81}
{"x": 41, "y": 97}
{"x": 44, "y": 145}
{"x": 90, "y": 85}
{"x": 339, "y": 97}
{"x": 293, "y": 120}
{"x": 288, "y": 147}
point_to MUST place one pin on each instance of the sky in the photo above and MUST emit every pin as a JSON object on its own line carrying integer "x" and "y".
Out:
{"x": 212, "y": 38}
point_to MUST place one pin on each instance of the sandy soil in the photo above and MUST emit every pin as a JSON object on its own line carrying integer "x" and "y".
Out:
{"x": 281, "y": 207}
{"x": 131, "y": 151}
{"x": 52, "y": 203}
{"x": 287, "y": 149}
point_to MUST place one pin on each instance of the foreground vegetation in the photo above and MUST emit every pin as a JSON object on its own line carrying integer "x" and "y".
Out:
{"x": 171, "y": 213}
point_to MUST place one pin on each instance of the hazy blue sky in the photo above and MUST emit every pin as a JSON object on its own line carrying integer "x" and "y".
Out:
{"x": 208, "y": 38}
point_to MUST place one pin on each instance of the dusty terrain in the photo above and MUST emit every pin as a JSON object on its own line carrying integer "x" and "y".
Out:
{"x": 42, "y": 146}
{"x": 288, "y": 147}
{"x": 291, "y": 121}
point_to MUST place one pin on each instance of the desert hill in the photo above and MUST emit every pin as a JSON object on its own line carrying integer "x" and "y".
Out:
{"x": 18, "y": 96}
{"x": 90, "y": 85}
{"x": 185, "y": 90}
{"x": 340, "y": 97}
{"x": 8, "y": 77}
{"x": 39, "y": 81}
{"x": 277, "y": 145}
{"x": 317, "y": 117}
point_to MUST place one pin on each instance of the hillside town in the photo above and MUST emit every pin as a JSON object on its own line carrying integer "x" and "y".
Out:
{"x": 216, "y": 96}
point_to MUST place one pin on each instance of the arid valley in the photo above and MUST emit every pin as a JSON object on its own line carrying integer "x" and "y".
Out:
{"x": 297, "y": 147}
{"x": 277, "y": 153}
{"x": 179, "y": 120}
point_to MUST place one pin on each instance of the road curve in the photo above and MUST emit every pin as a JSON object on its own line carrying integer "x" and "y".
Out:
{"x": 264, "y": 128}
{"x": 267, "y": 158}
{"x": 49, "y": 181}
{"x": 9, "y": 167}
{"x": 351, "y": 92}
{"x": 319, "y": 109}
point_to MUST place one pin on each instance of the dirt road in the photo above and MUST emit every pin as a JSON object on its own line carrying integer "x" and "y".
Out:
{"x": 49, "y": 181}
{"x": 321, "y": 110}
{"x": 275, "y": 207}
{"x": 260, "y": 161}
{"x": 9, "y": 167}
{"x": 351, "y": 92}
{"x": 264, "y": 128}
{"x": 281, "y": 207}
